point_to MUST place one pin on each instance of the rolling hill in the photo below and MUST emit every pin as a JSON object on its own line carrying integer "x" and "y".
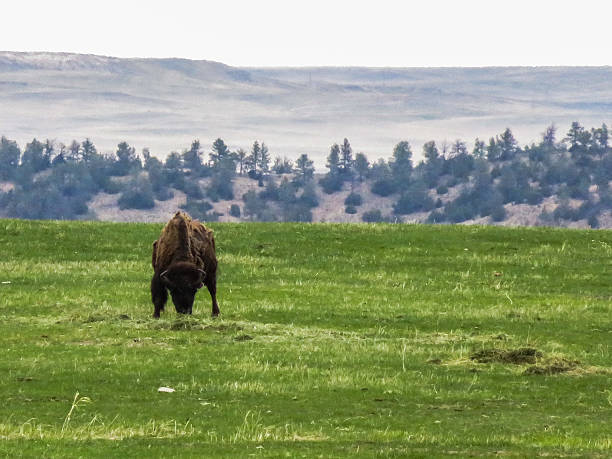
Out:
{"x": 164, "y": 104}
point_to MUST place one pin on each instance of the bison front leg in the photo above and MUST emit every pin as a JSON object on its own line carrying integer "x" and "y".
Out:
{"x": 159, "y": 295}
{"x": 211, "y": 284}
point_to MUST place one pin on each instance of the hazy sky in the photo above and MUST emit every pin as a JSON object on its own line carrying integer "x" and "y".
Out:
{"x": 314, "y": 32}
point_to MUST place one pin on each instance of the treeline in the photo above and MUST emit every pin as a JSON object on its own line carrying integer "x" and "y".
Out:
{"x": 451, "y": 183}
{"x": 577, "y": 166}
{"x": 57, "y": 181}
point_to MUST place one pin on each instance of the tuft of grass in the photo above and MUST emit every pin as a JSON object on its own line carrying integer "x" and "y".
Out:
{"x": 78, "y": 401}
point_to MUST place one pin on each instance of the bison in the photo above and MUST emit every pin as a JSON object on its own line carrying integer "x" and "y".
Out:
{"x": 184, "y": 261}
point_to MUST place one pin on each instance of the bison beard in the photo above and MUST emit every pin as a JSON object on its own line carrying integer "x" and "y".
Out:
{"x": 184, "y": 261}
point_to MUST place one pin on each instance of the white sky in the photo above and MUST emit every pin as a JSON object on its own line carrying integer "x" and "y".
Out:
{"x": 398, "y": 33}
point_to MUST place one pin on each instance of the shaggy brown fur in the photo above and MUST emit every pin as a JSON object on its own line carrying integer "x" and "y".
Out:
{"x": 184, "y": 260}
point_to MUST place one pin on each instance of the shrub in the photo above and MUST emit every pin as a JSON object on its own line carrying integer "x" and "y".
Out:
{"x": 296, "y": 213}
{"x": 331, "y": 183}
{"x": 235, "y": 210}
{"x": 498, "y": 213}
{"x": 353, "y": 199}
{"x": 565, "y": 212}
{"x": 138, "y": 194}
{"x": 163, "y": 194}
{"x": 136, "y": 199}
{"x": 414, "y": 200}
{"x": 593, "y": 221}
{"x": 461, "y": 209}
{"x": 580, "y": 190}
{"x": 270, "y": 192}
{"x": 255, "y": 207}
{"x": 534, "y": 196}
{"x": 220, "y": 187}
{"x": 112, "y": 187}
{"x": 350, "y": 210}
{"x": 253, "y": 174}
{"x": 192, "y": 190}
{"x": 383, "y": 187}
{"x": 372, "y": 216}
{"x": 309, "y": 197}
{"x": 453, "y": 181}
{"x": 200, "y": 209}
{"x": 442, "y": 189}
{"x": 435, "y": 217}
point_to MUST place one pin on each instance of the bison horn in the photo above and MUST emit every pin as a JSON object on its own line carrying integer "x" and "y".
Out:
{"x": 202, "y": 272}
{"x": 164, "y": 273}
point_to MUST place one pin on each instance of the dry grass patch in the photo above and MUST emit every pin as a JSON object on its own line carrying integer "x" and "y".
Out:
{"x": 515, "y": 356}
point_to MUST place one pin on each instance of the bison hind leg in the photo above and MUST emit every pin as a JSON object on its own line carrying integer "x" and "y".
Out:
{"x": 159, "y": 295}
{"x": 211, "y": 284}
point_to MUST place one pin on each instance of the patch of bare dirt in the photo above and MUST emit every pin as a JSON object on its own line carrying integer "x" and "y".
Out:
{"x": 332, "y": 209}
{"x": 241, "y": 186}
{"x": 5, "y": 187}
{"x": 105, "y": 208}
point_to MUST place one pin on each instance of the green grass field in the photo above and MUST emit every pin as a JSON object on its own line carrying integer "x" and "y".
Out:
{"x": 333, "y": 340}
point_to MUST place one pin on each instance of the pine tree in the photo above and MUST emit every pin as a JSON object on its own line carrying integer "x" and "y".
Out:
{"x": 493, "y": 150}
{"x": 126, "y": 159}
{"x": 304, "y": 169}
{"x": 74, "y": 151}
{"x": 220, "y": 151}
{"x": 601, "y": 139}
{"x": 60, "y": 157}
{"x": 333, "y": 160}
{"x": 430, "y": 151}
{"x": 362, "y": 166}
{"x": 192, "y": 158}
{"x": 549, "y": 138}
{"x": 34, "y": 158}
{"x": 264, "y": 159}
{"x": 479, "y": 150}
{"x": 332, "y": 181}
{"x": 240, "y": 159}
{"x": 88, "y": 150}
{"x": 507, "y": 145}
{"x": 401, "y": 165}
{"x": 282, "y": 165}
{"x": 254, "y": 158}
{"x": 346, "y": 156}
{"x": 434, "y": 165}
{"x": 49, "y": 151}
{"x": 9, "y": 158}
{"x": 580, "y": 144}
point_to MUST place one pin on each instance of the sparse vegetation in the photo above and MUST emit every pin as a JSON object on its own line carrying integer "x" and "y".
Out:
{"x": 566, "y": 180}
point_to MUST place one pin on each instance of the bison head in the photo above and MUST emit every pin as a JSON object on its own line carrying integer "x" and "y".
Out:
{"x": 183, "y": 279}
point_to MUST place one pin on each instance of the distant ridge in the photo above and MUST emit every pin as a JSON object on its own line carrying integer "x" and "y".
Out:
{"x": 164, "y": 104}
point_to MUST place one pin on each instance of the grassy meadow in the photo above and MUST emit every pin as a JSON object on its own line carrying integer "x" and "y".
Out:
{"x": 333, "y": 340}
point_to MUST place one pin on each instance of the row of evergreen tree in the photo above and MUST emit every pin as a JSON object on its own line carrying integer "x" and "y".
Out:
{"x": 57, "y": 181}
{"x": 578, "y": 166}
